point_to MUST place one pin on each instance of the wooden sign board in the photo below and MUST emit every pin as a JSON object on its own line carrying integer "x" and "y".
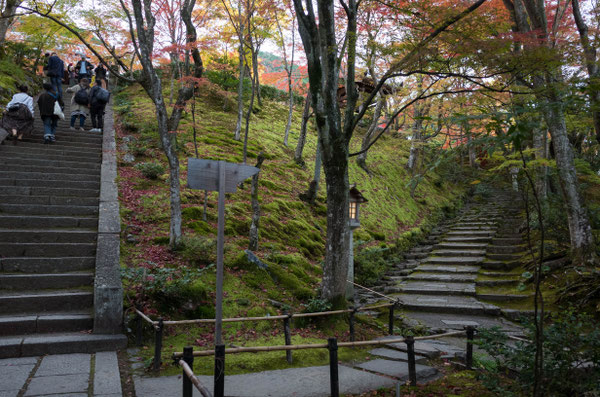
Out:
{"x": 204, "y": 174}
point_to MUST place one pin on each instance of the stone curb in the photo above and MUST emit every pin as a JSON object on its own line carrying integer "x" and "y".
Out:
{"x": 108, "y": 290}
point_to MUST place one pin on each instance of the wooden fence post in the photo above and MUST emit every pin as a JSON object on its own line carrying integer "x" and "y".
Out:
{"x": 158, "y": 335}
{"x": 188, "y": 357}
{"x": 410, "y": 350}
{"x": 333, "y": 367}
{"x": 288, "y": 336}
{"x": 219, "y": 371}
{"x": 469, "y": 358}
{"x": 391, "y": 320}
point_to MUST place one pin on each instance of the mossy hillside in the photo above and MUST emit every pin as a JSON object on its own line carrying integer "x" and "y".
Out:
{"x": 13, "y": 75}
{"x": 289, "y": 227}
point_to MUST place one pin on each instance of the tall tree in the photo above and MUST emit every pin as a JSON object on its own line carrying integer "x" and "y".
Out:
{"x": 317, "y": 27}
{"x": 8, "y": 10}
{"x": 530, "y": 20}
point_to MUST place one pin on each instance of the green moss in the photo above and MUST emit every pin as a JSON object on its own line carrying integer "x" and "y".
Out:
{"x": 201, "y": 227}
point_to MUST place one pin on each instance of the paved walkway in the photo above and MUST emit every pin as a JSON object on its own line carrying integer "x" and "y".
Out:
{"x": 73, "y": 375}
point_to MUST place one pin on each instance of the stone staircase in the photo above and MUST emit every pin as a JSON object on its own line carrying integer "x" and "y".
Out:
{"x": 437, "y": 284}
{"x": 49, "y": 227}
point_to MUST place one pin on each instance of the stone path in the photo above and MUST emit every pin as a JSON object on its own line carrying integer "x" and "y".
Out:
{"x": 73, "y": 375}
{"x": 387, "y": 367}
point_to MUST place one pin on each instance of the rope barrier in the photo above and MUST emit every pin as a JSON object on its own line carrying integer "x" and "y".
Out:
{"x": 374, "y": 342}
{"x": 373, "y": 291}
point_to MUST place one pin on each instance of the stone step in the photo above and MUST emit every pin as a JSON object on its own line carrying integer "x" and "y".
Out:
{"x": 48, "y": 200}
{"x": 473, "y": 228}
{"x": 70, "y": 136}
{"x": 47, "y": 249}
{"x": 29, "y": 168}
{"x": 63, "y": 210}
{"x": 398, "y": 369}
{"x": 48, "y": 236}
{"x": 46, "y": 221}
{"x": 472, "y": 233}
{"x": 507, "y": 241}
{"x": 447, "y": 269}
{"x": 47, "y": 265}
{"x": 66, "y": 143}
{"x": 34, "y": 323}
{"x": 33, "y": 147}
{"x": 454, "y": 260}
{"x": 447, "y": 304}
{"x": 65, "y": 184}
{"x": 458, "y": 278}
{"x": 44, "y": 301}
{"x": 457, "y": 239}
{"x": 41, "y": 344}
{"x": 32, "y": 155}
{"x": 52, "y": 176}
{"x": 437, "y": 288}
{"x": 55, "y": 165}
{"x": 503, "y": 297}
{"x": 506, "y": 249}
{"x": 48, "y": 191}
{"x": 458, "y": 252}
{"x": 459, "y": 245}
{"x": 497, "y": 283}
{"x": 505, "y": 257}
{"x": 500, "y": 265}
{"x": 45, "y": 281}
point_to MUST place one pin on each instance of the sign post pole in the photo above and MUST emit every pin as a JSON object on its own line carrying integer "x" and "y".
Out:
{"x": 220, "y": 248}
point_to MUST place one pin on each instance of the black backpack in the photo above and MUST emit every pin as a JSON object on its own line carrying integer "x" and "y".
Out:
{"x": 82, "y": 97}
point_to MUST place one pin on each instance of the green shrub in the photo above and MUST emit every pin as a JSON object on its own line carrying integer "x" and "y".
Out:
{"x": 370, "y": 264}
{"x": 317, "y": 305}
{"x": 571, "y": 356}
{"x": 151, "y": 170}
{"x": 198, "y": 250}
{"x": 170, "y": 290}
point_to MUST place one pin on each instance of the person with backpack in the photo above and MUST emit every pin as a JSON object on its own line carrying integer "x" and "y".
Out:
{"x": 84, "y": 68}
{"x": 46, "y": 104}
{"x": 80, "y": 102}
{"x": 56, "y": 71}
{"x": 99, "y": 97}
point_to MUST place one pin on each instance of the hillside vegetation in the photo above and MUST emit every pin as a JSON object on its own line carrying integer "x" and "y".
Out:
{"x": 292, "y": 232}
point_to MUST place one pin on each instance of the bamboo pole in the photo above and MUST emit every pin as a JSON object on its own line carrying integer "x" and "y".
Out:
{"x": 270, "y": 318}
{"x": 256, "y": 349}
{"x": 190, "y": 374}
{"x": 146, "y": 318}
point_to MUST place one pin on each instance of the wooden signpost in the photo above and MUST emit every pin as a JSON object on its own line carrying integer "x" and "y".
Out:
{"x": 223, "y": 177}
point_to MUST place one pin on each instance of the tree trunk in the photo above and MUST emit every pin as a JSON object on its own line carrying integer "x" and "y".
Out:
{"x": 302, "y": 138}
{"x": 582, "y": 240}
{"x": 256, "y": 75}
{"x": 335, "y": 266}
{"x": 591, "y": 62}
{"x": 253, "y": 245}
{"x": 415, "y": 141}
{"x": 361, "y": 159}
{"x": 539, "y": 145}
{"x": 248, "y": 114}
{"x": 240, "y": 112}
{"x": 7, "y": 15}
{"x": 471, "y": 149}
{"x": 290, "y": 112}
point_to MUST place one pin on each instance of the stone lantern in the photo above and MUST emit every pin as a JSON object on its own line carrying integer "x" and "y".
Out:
{"x": 355, "y": 199}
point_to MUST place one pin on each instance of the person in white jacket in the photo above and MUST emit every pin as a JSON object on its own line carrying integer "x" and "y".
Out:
{"x": 18, "y": 118}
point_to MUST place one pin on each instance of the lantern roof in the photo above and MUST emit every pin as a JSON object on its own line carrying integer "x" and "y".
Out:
{"x": 356, "y": 195}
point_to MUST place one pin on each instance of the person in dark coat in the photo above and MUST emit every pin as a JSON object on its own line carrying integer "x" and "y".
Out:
{"x": 101, "y": 75}
{"x": 56, "y": 71}
{"x": 18, "y": 118}
{"x": 97, "y": 107}
{"x": 84, "y": 68}
{"x": 46, "y": 103}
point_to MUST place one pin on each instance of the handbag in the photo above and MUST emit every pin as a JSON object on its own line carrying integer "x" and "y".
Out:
{"x": 58, "y": 110}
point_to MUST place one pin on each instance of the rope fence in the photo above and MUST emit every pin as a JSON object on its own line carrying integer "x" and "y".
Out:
{"x": 159, "y": 325}
{"x": 186, "y": 359}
